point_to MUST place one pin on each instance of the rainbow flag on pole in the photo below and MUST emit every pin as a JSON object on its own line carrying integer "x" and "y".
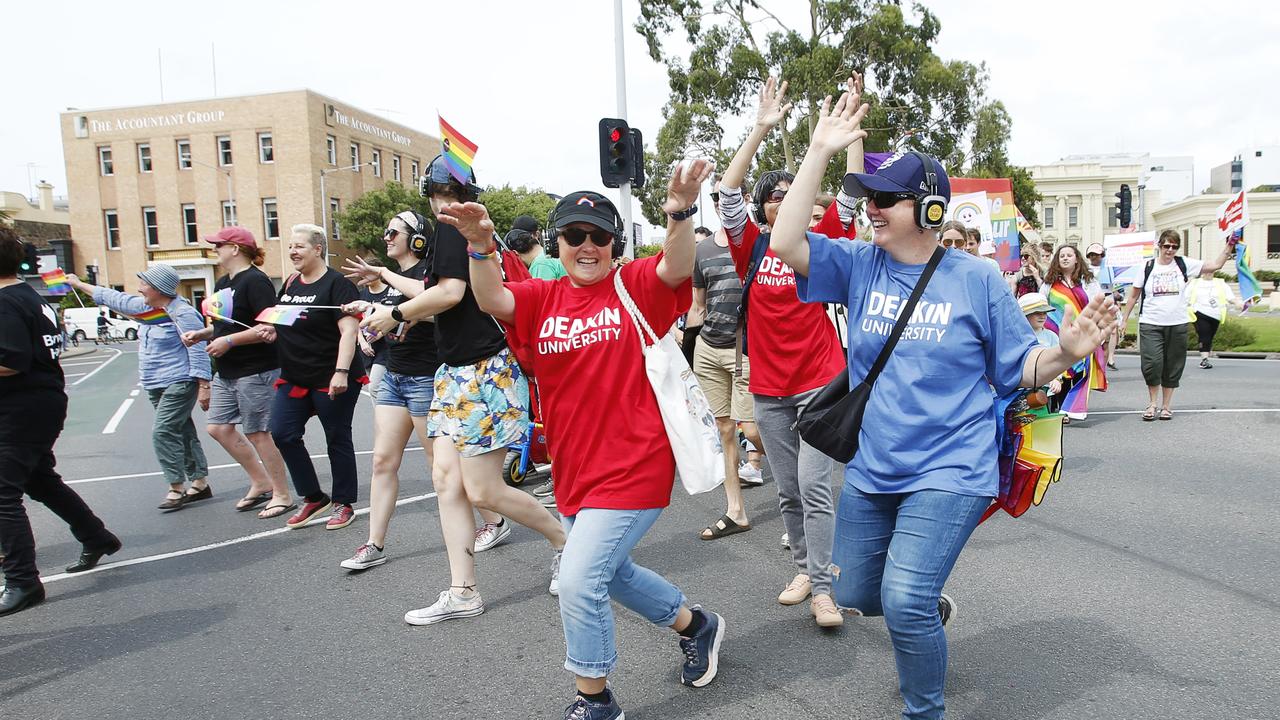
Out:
{"x": 1250, "y": 289}
{"x": 1090, "y": 373}
{"x": 153, "y": 316}
{"x": 56, "y": 282}
{"x": 282, "y": 314}
{"x": 459, "y": 152}
{"x": 219, "y": 304}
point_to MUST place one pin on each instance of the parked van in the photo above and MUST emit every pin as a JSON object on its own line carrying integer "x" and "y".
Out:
{"x": 82, "y": 324}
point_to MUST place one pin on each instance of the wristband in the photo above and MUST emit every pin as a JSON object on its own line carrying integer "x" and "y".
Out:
{"x": 684, "y": 214}
{"x": 482, "y": 256}
{"x": 230, "y": 342}
{"x": 344, "y": 371}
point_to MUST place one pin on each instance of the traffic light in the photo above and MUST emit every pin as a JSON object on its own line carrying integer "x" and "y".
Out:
{"x": 617, "y": 152}
{"x": 637, "y": 147}
{"x": 91, "y": 274}
{"x": 1124, "y": 210}
{"x": 30, "y": 261}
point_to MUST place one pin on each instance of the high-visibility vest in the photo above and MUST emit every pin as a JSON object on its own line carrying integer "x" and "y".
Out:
{"x": 1218, "y": 290}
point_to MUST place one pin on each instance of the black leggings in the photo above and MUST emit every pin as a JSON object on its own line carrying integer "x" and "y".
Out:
{"x": 1206, "y": 328}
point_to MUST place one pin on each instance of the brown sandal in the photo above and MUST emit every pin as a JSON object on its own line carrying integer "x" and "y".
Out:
{"x": 1166, "y": 414}
{"x": 723, "y": 527}
{"x": 1149, "y": 414}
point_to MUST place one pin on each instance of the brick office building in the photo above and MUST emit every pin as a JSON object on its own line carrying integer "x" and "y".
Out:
{"x": 147, "y": 183}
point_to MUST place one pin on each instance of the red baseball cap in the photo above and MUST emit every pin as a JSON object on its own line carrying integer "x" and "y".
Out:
{"x": 234, "y": 234}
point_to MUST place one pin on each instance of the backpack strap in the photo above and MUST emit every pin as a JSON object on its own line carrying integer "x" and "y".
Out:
{"x": 758, "y": 252}
{"x": 1182, "y": 265}
{"x": 1146, "y": 273}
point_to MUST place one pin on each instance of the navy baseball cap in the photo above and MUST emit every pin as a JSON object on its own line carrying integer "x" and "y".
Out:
{"x": 902, "y": 172}
{"x": 586, "y": 207}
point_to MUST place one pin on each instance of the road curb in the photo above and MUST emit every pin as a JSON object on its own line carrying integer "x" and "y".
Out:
{"x": 1224, "y": 354}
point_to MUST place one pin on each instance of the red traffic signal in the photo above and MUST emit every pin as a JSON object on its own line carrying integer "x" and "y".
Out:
{"x": 618, "y": 152}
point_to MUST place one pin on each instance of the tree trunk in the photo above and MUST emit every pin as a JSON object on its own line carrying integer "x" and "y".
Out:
{"x": 786, "y": 150}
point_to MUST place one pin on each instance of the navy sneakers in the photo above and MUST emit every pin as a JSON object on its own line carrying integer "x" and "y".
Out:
{"x": 702, "y": 651}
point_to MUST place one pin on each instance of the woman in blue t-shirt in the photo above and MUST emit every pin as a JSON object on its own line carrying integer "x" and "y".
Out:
{"x": 923, "y": 474}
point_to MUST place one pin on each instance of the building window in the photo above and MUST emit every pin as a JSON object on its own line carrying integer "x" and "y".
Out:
{"x": 1073, "y": 216}
{"x": 395, "y": 168}
{"x": 334, "y": 208}
{"x": 112, "y": 224}
{"x": 190, "y": 234}
{"x": 184, "y": 154}
{"x": 266, "y": 153}
{"x": 228, "y": 213}
{"x": 270, "y": 218}
{"x": 105, "y": 166}
{"x": 144, "y": 157}
{"x": 413, "y": 171}
{"x": 355, "y": 157}
{"x": 1048, "y": 216}
{"x": 224, "y": 149}
{"x": 331, "y": 149}
{"x": 376, "y": 161}
{"x": 82, "y": 126}
{"x": 151, "y": 226}
{"x": 1113, "y": 216}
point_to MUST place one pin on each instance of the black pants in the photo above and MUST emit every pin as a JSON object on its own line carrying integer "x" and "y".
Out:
{"x": 1206, "y": 328}
{"x": 28, "y": 469}
{"x": 289, "y": 417}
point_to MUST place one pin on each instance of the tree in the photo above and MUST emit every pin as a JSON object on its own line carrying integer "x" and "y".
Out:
{"x": 506, "y": 203}
{"x": 989, "y": 159}
{"x": 914, "y": 94}
{"x": 69, "y": 301}
{"x": 365, "y": 220}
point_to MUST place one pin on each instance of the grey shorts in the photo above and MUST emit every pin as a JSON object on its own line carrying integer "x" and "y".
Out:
{"x": 244, "y": 401}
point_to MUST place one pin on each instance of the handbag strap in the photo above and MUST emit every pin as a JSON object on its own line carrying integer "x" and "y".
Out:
{"x": 647, "y": 336}
{"x": 905, "y": 316}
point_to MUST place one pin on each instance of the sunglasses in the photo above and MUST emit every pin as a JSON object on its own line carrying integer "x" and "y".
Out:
{"x": 576, "y": 236}
{"x": 950, "y": 243}
{"x": 884, "y": 200}
{"x": 390, "y": 233}
{"x": 1170, "y": 247}
{"x": 775, "y": 196}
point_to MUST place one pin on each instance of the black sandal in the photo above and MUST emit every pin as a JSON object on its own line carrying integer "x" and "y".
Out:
{"x": 245, "y": 504}
{"x": 171, "y": 504}
{"x": 723, "y": 527}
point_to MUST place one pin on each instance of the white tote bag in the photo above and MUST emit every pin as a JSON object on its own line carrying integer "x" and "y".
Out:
{"x": 686, "y": 414}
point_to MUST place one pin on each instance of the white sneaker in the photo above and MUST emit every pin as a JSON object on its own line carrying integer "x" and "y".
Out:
{"x": 447, "y": 607}
{"x": 490, "y": 535}
{"x": 786, "y": 541}
{"x": 750, "y": 475}
{"x": 367, "y": 556}
{"x": 554, "y": 587}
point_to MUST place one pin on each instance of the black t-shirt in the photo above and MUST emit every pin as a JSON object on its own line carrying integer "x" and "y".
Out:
{"x": 415, "y": 353}
{"x": 33, "y": 403}
{"x": 379, "y": 345}
{"x": 252, "y": 292}
{"x": 464, "y": 334}
{"x": 308, "y": 349}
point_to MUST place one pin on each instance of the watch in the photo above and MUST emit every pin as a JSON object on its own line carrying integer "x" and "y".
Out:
{"x": 684, "y": 214}
{"x": 396, "y": 314}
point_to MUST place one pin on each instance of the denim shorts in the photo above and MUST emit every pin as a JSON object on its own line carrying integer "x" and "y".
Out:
{"x": 414, "y": 392}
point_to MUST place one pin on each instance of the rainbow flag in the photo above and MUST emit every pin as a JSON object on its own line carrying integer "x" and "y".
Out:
{"x": 282, "y": 314}
{"x": 1091, "y": 372}
{"x": 459, "y": 152}
{"x": 1250, "y": 289}
{"x": 154, "y": 316}
{"x": 56, "y": 282}
{"x": 219, "y": 304}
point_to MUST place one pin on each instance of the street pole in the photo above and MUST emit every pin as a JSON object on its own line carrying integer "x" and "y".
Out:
{"x": 620, "y": 68}
{"x": 324, "y": 201}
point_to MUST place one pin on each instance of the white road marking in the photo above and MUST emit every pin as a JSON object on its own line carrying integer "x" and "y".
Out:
{"x": 1176, "y": 412}
{"x": 114, "y": 422}
{"x": 99, "y": 368}
{"x": 213, "y": 546}
{"x": 67, "y": 376}
{"x": 73, "y": 364}
{"x": 133, "y": 393}
{"x": 211, "y": 467}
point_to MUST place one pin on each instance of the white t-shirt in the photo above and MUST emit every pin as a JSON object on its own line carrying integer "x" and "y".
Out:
{"x": 1165, "y": 303}
{"x": 1210, "y": 297}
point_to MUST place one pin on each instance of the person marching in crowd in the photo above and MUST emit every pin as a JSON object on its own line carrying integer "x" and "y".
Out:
{"x": 33, "y": 408}
{"x": 479, "y": 408}
{"x": 1161, "y": 296}
{"x": 953, "y": 234}
{"x": 1207, "y": 302}
{"x": 611, "y": 485}
{"x": 794, "y": 352}
{"x": 525, "y": 238}
{"x": 1028, "y": 279}
{"x": 318, "y": 365}
{"x": 717, "y": 297}
{"x": 374, "y": 346}
{"x": 246, "y": 370}
{"x": 926, "y": 468}
{"x": 1106, "y": 275}
{"x": 175, "y": 376}
{"x": 1036, "y": 308}
{"x": 1069, "y": 285}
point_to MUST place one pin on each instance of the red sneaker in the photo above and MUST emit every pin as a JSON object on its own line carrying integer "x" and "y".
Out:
{"x": 341, "y": 517}
{"x": 307, "y": 513}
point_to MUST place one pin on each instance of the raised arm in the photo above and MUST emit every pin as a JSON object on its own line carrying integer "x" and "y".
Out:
{"x": 837, "y": 128}
{"x": 472, "y": 220}
{"x": 846, "y": 204}
{"x": 1216, "y": 264}
{"x": 772, "y": 110}
{"x": 679, "y": 247}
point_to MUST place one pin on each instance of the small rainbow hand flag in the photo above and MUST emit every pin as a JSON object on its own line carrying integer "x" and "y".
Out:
{"x": 1250, "y": 289}
{"x": 459, "y": 152}
{"x": 219, "y": 304}
{"x": 154, "y": 316}
{"x": 56, "y": 282}
{"x": 282, "y": 314}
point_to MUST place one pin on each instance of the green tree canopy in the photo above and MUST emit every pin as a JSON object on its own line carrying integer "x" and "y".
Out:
{"x": 506, "y": 203}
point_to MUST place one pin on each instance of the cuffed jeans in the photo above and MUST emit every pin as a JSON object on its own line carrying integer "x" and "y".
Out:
{"x": 893, "y": 553}
{"x": 174, "y": 435}
{"x": 803, "y": 476}
{"x": 289, "y": 417}
{"x": 596, "y": 566}
{"x": 29, "y": 469}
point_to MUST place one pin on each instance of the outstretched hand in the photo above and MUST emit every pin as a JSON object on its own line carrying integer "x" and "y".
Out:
{"x": 1083, "y": 333}
{"x": 359, "y": 271}
{"x": 840, "y": 126}
{"x": 471, "y": 219}
{"x": 773, "y": 103}
{"x": 685, "y": 186}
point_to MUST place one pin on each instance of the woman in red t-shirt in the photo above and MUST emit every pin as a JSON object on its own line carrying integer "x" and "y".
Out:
{"x": 611, "y": 481}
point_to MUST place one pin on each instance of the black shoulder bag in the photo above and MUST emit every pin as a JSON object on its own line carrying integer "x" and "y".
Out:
{"x": 833, "y": 418}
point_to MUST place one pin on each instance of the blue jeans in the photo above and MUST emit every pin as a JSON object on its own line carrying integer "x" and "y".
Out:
{"x": 892, "y": 555}
{"x": 289, "y": 417}
{"x": 596, "y": 567}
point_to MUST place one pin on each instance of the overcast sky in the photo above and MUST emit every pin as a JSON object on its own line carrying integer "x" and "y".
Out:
{"x": 527, "y": 80}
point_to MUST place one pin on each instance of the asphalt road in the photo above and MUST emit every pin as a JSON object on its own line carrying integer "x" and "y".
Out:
{"x": 1144, "y": 587}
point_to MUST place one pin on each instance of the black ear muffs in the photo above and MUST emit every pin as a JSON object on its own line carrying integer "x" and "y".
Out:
{"x": 418, "y": 228}
{"x": 930, "y": 208}
{"x": 766, "y": 184}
